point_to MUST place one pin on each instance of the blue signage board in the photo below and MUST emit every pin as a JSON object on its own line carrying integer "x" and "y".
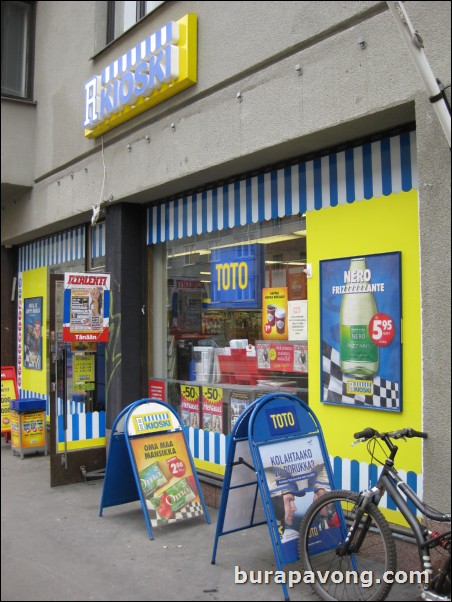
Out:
{"x": 277, "y": 450}
{"x": 282, "y": 422}
{"x": 149, "y": 459}
{"x": 236, "y": 277}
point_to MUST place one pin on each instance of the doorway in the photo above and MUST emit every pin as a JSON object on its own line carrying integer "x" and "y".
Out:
{"x": 77, "y": 400}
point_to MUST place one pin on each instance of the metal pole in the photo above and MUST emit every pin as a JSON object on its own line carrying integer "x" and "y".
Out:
{"x": 415, "y": 47}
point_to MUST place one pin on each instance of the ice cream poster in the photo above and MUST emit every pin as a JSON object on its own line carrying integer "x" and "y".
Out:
{"x": 361, "y": 318}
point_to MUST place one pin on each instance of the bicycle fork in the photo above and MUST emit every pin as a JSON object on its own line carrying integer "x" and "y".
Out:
{"x": 365, "y": 498}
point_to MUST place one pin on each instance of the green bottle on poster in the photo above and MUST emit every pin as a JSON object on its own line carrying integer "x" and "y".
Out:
{"x": 359, "y": 354}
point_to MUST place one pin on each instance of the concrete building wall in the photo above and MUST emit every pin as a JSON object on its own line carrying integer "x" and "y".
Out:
{"x": 342, "y": 91}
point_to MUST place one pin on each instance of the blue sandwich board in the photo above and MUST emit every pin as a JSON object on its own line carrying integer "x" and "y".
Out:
{"x": 149, "y": 459}
{"x": 277, "y": 460}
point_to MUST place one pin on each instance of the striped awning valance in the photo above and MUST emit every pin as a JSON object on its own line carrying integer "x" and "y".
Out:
{"x": 98, "y": 240}
{"x": 371, "y": 170}
{"x": 59, "y": 248}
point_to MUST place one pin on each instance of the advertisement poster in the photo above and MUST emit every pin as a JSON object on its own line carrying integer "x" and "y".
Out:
{"x": 27, "y": 430}
{"x": 185, "y": 296}
{"x": 361, "y": 331}
{"x": 86, "y": 307}
{"x": 15, "y": 430}
{"x": 301, "y": 358}
{"x": 190, "y": 405}
{"x": 239, "y": 400}
{"x": 156, "y": 389}
{"x": 32, "y": 429}
{"x": 33, "y": 333}
{"x": 296, "y": 475}
{"x": 282, "y": 357}
{"x": 298, "y": 320}
{"x": 9, "y": 392}
{"x": 296, "y": 281}
{"x": 166, "y": 477}
{"x": 83, "y": 346}
{"x": 83, "y": 372}
{"x": 212, "y": 409}
{"x": 274, "y": 313}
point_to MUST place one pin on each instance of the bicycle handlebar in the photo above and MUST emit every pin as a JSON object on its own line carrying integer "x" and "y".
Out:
{"x": 369, "y": 433}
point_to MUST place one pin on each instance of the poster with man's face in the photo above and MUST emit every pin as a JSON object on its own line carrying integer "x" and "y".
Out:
{"x": 295, "y": 473}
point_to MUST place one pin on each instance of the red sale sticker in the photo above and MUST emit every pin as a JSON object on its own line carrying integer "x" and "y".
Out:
{"x": 176, "y": 466}
{"x": 381, "y": 329}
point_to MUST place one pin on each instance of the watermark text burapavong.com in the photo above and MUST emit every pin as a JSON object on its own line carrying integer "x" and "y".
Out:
{"x": 364, "y": 578}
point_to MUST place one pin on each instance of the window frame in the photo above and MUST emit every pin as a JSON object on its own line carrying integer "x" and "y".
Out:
{"x": 111, "y": 18}
{"x": 29, "y": 52}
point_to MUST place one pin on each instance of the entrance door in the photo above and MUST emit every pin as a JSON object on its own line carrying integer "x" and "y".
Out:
{"x": 77, "y": 400}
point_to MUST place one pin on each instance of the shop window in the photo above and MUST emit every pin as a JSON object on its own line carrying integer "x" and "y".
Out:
{"x": 236, "y": 300}
{"x": 96, "y": 246}
{"x": 17, "y": 49}
{"x": 123, "y": 15}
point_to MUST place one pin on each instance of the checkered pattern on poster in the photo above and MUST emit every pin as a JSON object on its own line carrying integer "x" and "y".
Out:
{"x": 385, "y": 393}
{"x": 191, "y": 510}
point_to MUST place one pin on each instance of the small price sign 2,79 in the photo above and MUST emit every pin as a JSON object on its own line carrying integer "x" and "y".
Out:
{"x": 381, "y": 329}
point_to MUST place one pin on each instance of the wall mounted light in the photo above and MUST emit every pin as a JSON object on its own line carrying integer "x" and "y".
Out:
{"x": 308, "y": 270}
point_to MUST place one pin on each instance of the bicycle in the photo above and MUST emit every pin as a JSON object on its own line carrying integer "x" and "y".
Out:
{"x": 345, "y": 537}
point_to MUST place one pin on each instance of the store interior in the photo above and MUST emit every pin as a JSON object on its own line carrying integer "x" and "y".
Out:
{"x": 221, "y": 344}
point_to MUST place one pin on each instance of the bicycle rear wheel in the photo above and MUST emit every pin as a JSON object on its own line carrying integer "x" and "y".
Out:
{"x": 358, "y": 574}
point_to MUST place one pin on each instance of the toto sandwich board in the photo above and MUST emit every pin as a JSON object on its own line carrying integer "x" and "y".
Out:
{"x": 277, "y": 461}
{"x": 149, "y": 459}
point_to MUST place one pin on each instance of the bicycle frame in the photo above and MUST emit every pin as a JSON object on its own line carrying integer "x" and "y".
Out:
{"x": 391, "y": 482}
{"x": 359, "y": 518}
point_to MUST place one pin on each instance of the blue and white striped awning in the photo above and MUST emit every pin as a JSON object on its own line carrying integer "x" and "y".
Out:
{"x": 60, "y": 248}
{"x": 53, "y": 250}
{"x": 98, "y": 240}
{"x": 371, "y": 170}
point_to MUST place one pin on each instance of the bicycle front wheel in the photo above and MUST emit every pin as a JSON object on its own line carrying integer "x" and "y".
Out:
{"x": 346, "y": 573}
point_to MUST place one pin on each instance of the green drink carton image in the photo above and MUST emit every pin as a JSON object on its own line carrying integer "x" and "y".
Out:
{"x": 174, "y": 498}
{"x": 151, "y": 478}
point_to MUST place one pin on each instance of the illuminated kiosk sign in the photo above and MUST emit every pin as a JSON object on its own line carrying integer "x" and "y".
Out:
{"x": 162, "y": 65}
